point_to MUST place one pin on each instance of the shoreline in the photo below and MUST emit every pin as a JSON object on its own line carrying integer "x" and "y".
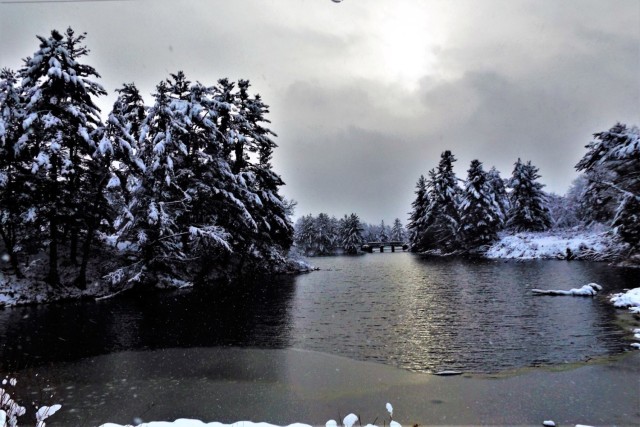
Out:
{"x": 287, "y": 386}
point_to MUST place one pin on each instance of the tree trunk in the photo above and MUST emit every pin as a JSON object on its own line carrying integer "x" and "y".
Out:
{"x": 73, "y": 249}
{"x": 53, "y": 278}
{"x": 81, "y": 281}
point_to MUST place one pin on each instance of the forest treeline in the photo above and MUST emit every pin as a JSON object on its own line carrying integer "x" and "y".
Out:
{"x": 454, "y": 216}
{"x": 325, "y": 235}
{"x": 447, "y": 217}
{"x": 182, "y": 189}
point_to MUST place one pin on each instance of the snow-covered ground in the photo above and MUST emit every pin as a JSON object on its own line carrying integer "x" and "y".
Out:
{"x": 590, "y": 245}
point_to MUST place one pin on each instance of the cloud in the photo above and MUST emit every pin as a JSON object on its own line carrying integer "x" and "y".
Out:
{"x": 501, "y": 80}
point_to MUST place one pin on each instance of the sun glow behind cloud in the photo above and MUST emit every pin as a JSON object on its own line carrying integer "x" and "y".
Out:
{"x": 405, "y": 40}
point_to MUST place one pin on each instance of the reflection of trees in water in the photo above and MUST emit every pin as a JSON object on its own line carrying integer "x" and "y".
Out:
{"x": 252, "y": 314}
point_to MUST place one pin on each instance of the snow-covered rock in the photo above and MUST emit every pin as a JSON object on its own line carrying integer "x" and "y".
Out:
{"x": 630, "y": 299}
{"x": 585, "y": 291}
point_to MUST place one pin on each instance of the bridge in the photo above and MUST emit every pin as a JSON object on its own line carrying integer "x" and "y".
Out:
{"x": 370, "y": 246}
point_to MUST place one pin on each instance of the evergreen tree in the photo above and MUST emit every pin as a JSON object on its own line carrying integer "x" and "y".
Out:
{"x": 419, "y": 216}
{"x": 612, "y": 165}
{"x": 14, "y": 172}
{"x": 323, "y": 239}
{"x": 442, "y": 219}
{"x": 184, "y": 190}
{"x": 274, "y": 225}
{"x": 528, "y": 210}
{"x": 479, "y": 212}
{"x": 499, "y": 192}
{"x": 351, "y": 234}
{"x": 122, "y": 132}
{"x": 60, "y": 127}
{"x": 383, "y": 234}
{"x": 397, "y": 232}
{"x": 305, "y": 233}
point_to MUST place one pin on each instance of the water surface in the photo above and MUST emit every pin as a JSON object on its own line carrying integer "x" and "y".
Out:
{"x": 419, "y": 314}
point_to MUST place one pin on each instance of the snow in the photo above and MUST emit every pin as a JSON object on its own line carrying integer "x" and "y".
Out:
{"x": 448, "y": 373}
{"x": 554, "y": 245}
{"x": 183, "y": 422}
{"x": 585, "y": 291}
{"x": 46, "y": 411}
{"x": 348, "y": 421}
{"x": 630, "y": 299}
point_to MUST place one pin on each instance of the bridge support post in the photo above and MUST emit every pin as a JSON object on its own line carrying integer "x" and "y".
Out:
{"x": 381, "y": 248}
{"x": 393, "y": 248}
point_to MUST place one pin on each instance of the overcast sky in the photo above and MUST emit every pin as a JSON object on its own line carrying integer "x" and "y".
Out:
{"x": 366, "y": 94}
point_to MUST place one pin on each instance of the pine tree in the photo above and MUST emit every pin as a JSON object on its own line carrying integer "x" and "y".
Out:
{"x": 15, "y": 218}
{"x": 499, "y": 192}
{"x": 60, "y": 127}
{"x": 397, "y": 232}
{"x": 442, "y": 219}
{"x": 479, "y": 211}
{"x": 351, "y": 234}
{"x": 323, "y": 238}
{"x": 305, "y": 233}
{"x": 383, "y": 234}
{"x": 122, "y": 133}
{"x": 612, "y": 165}
{"x": 419, "y": 206}
{"x": 528, "y": 210}
{"x": 275, "y": 228}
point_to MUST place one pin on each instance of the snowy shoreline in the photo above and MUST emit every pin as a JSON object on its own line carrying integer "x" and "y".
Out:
{"x": 580, "y": 245}
{"x": 562, "y": 244}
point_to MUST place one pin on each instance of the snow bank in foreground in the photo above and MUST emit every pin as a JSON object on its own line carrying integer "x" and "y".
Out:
{"x": 348, "y": 421}
{"x": 586, "y": 291}
{"x": 590, "y": 245}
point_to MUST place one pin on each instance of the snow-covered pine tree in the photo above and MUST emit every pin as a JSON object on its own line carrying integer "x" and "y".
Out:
{"x": 275, "y": 228}
{"x": 122, "y": 133}
{"x": 323, "y": 239}
{"x": 305, "y": 233}
{"x": 612, "y": 164}
{"x": 479, "y": 212}
{"x": 60, "y": 127}
{"x": 442, "y": 219}
{"x": 397, "y": 231}
{"x": 418, "y": 208}
{"x": 528, "y": 211}
{"x": 351, "y": 234}
{"x": 383, "y": 234}
{"x": 14, "y": 173}
{"x": 499, "y": 192}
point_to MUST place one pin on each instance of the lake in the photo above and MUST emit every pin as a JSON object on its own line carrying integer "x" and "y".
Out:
{"x": 423, "y": 315}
